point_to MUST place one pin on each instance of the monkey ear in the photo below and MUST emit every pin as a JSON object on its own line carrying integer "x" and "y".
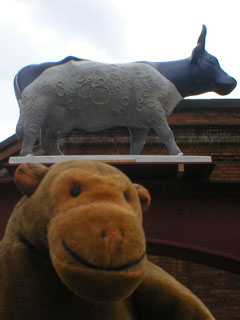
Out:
{"x": 28, "y": 176}
{"x": 144, "y": 196}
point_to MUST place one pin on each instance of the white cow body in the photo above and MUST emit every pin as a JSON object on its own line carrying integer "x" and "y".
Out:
{"x": 95, "y": 96}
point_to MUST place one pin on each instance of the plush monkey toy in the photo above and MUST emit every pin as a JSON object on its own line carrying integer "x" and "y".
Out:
{"x": 75, "y": 248}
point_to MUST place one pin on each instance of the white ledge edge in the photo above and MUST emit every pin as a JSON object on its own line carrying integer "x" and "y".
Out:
{"x": 111, "y": 158}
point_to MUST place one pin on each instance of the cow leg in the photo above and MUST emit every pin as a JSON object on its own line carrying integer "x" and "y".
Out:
{"x": 137, "y": 139}
{"x": 31, "y": 133}
{"x": 33, "y": 118}
{"x": 19, "y": 129}
{"x": 165, "y": 133}
{"x": 49, "y": 141}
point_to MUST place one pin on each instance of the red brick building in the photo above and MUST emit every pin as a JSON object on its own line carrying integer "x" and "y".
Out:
{"x": 192, "y": 227}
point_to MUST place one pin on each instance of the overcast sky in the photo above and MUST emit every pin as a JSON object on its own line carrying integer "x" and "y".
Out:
{"x": 35, "y": 31}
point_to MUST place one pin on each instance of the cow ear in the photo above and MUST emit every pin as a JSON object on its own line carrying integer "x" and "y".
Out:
{"x": 28, "y": 176}
{"x": 197, "y": 52}
{"x": 202, "y": 37}
{"x": 144, "y": 196}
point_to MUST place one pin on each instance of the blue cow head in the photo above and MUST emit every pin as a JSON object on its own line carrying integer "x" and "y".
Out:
{"x": 207, "y": 74}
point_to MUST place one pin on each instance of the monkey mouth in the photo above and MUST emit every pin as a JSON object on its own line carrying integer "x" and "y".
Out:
{"x": 101, "y": 268}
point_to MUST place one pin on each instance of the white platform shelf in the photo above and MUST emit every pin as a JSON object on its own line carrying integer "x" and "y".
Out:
{"x": 112, "y": 158}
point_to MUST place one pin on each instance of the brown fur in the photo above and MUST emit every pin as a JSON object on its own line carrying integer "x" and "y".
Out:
{"x": 74, "y": 248}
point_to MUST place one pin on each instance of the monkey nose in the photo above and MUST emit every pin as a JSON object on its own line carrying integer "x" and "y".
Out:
{"x": 112, "y": 236}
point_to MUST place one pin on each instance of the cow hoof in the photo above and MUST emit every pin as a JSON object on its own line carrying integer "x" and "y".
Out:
{"x": 179, "y": 154}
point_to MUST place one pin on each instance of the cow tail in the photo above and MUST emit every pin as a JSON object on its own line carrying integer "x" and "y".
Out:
{"x": 19, "y": 127}
{"x": 16, "y": 88}
{"x": 19, "y": 130}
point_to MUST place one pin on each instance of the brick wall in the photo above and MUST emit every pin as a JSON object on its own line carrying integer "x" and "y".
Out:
{"x": 218, "y": 289}
{"x": 216, "y": 111}
{"x": 210, "y": 127}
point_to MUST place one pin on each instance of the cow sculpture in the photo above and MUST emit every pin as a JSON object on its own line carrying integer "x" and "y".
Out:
{"x": 56, "y": 97}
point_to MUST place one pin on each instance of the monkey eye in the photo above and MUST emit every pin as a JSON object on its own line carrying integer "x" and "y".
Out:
{"x": 126, "y": 196}
{"x": 75, "y": 190}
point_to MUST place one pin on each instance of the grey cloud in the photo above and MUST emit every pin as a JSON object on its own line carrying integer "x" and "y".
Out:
{"x": 94, "y": 21}
{"x": 16, "y": 50}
